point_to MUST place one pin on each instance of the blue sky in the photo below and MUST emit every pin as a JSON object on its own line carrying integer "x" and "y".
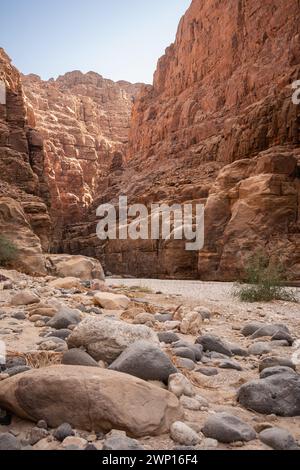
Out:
{"x": 120, "y": 39}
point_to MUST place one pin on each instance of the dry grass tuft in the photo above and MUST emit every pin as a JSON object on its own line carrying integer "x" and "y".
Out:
{"x": 38, "y": 359}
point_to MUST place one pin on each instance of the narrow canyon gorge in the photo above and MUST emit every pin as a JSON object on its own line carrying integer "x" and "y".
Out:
{"x": 141, "y": 344}
{"x": 217, "y": 127}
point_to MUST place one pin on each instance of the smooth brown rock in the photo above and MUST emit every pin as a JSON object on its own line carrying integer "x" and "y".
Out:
{"x": 90, "y": 399}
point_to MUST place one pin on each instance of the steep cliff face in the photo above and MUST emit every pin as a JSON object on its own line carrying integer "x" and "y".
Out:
{"x": 84, "y": 121}
{"x": 24, "y": 196}
{"x": 221, "y": 97}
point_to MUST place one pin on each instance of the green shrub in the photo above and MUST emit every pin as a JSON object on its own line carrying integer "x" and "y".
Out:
{"x": 264, "y": 281}
{"x": 8, "y": 251}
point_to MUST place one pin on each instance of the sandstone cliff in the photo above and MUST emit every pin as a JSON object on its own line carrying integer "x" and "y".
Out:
{"x": 221, "y": 96}
{"x": 84, "y": 121}
{"x": 24, "y": 195}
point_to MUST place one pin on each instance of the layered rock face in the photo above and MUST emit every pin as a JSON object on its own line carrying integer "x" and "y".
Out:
{"x": 218, "y": 126}
{"x": 84, "y": 121}
{"x": 24, "y": 196}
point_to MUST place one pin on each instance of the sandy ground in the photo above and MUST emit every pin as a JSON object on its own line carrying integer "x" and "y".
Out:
{"x": 228, "y": 317}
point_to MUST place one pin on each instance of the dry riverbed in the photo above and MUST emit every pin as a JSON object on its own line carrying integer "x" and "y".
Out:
{"x": 194, "y": 311}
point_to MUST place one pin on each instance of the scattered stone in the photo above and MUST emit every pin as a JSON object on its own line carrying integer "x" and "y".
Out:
{"x": 66, "y": 283}
{"x": 191, "y": 324}
{"x": 283, "y": 335}
{"x": 185, "y": 363}
{"x": 278, "y": 394}
{"x": 163, "y": 317}
{"x": 180, "y": 385}
{"x": 63, "y": 431}
{"x": 196, "y": 348}
{"x": 91, "y": 447}
{"x": 276, "y": 370}
{"x": 42, "y": 424}
{"x": 110, "y": 301}
{"x": 258, "y": 349}
{"x": 146, "y": 361}
{"x": 25, "y": 298}
{"x": 82, "y": 267}
{"x": 117, "y": 440}
{"x": 77, "y": 357}
{"x": 208, "y": 371}
{"x": 17, "y": 370}
{"x": 143, "y": 318}
{"x": 42, "y": 312}
{"x": 15, "y": 361}
{"x": 186, "y": 353}
{"x": 278, "y": 439}
{"x": 103, "y": 400}
{"x": 184, "y": 435}
{"x": 168, "y": 337}
{"x": 234, "y": 365}
{"x": 213, "y": 343}
{"x": 268, "y": 330}
{"x": 62, "y": 334}
{"x": 106, "y": 339}
{"x": 227, "y": 428}
{"x": 9, "y": 442}
{"x": 204, "y": 312}
{"x": 276, "y": 361}
{"x": 238, "y": 350}
{"x": 172, "y": 325}
{"x": 64, "y": 318}
{"x": 280, "y": 344}
{"x": 19, "y": 316}
{"x": 37, "y": 434}
{"x": 194, "y": 403}
{"x": 251, "y": 328}
{"x": 53, "y": 344}
{"x": 73, "y": 443}
{"x": 209, "y": 444}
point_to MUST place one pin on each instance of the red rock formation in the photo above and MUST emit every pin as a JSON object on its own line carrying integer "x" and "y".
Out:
{"x": 221, "y": 96}
{"x": 84, "y": 121}
{"x": 24, "y": 194}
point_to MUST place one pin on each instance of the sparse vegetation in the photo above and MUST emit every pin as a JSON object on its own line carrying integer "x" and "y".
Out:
{"x": 265, "y": 281}
{"x": 8, "y": 251}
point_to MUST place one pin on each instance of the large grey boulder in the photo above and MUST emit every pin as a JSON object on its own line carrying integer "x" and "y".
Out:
{"x": 146, "y": 361}
{"x": 278, "y": 394}
{"x": 213, "y": 343}
{"x": 273, "y": 361}
{"x": 269, "y": 330}
{"x": 64, "y": 318}
{"x": 77, "y": 357}
{"x": 106, "y": 339}
{"x": 227, "y": 428}
{"x": 9, "y": 442}
{"x": 278, "y": 439}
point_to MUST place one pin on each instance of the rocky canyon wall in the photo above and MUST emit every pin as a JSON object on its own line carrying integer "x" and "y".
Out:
{"x": 218, "y": 126}
{"x": 84, "y": 121}
{"x": 24, "y": 195}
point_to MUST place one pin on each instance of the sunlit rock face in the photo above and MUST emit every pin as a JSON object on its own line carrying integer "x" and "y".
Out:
{"x": 24, "y": 195}
{"x": 219, "y": 127}
{"x": 84, "y": 121}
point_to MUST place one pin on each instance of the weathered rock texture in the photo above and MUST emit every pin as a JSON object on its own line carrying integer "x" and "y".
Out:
{"x": 218, "y": 126}
{"x": 84, "y": 120}
{"x": 90, "y": 399}
{"x": 24, "y": 195}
